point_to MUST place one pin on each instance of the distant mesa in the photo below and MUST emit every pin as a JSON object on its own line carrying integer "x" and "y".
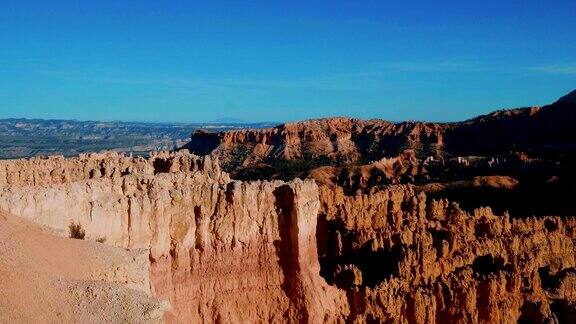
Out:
{"x": 550, "y": 128}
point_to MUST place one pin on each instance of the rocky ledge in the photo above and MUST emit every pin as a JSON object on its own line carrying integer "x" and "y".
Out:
{"x": 271, "y": 251}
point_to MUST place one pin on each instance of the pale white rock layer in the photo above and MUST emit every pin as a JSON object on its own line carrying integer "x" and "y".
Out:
{"x": 220, "y": 250}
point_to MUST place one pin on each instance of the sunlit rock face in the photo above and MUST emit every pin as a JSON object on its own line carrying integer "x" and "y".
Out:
{"x": 220, "y": 250}
{"x": 543, "y": 132}
{"x": 272, "y": 251}
{"x": 403, "y": 258}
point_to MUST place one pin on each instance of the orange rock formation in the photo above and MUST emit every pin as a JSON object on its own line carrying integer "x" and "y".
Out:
{"x": 220, "y": 250}
{"x": 547, "y": 129}
{"x": 231, "y": 251}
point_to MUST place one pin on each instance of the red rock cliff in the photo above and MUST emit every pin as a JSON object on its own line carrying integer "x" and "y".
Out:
{"x": 232, "y": 251}
{"x": 221, "y": 250}
{"x": 548, "y": 129}
{"x": 402, "y": 258}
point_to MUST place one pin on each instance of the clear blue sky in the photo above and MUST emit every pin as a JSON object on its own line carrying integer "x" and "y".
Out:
{"x": 282, "y": 60}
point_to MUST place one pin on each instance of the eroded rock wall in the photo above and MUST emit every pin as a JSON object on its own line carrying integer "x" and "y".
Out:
{"x": 405, "y": 259}
{"x": 53, "y": 170}
{"x": 546, "y": 132}
{"x": 221, "y": 250}
{"x": 232, "y": 251}
{"x": 335, "y": 139}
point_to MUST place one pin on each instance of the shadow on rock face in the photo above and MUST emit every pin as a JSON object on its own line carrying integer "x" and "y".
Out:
{"x": 161, "y": 165}
{"x": 344, "y": 266}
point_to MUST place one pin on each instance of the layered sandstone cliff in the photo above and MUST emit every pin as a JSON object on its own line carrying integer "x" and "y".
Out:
{"x": 271, "y": 251}
{"x": 336, "y": 139}
{"x": 405, "y": 259}
{"x": 545, "y": 130}
{"x": 220, "y": 250}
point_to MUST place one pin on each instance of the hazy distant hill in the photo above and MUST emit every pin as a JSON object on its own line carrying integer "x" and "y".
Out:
{"x": 33, "y": 137}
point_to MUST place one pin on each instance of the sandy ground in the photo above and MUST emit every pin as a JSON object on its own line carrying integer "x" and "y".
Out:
{"x": 50, "y": 279}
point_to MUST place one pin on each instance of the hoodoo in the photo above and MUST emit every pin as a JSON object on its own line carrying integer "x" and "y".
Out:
{"x": 223, "y": 250}
{"x": 220, "y": 250}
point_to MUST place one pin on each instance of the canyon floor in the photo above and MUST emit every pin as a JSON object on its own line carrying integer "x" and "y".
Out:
{"x": 334, "y": 220}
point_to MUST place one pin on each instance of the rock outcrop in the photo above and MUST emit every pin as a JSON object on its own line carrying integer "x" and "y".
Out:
{"x": 541, "y": 130}
{"x": 220, "y": 250}
{"x": 335, "y": 139}
{"x": 271, "y": 251}
{"x": 402, "y": 258}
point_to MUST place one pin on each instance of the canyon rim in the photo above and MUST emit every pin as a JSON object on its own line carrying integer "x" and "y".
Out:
{"x": 333, "y": 220}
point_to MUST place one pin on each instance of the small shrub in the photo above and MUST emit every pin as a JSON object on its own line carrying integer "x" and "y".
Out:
{"x": 76, "y": 231}
{"x": 101, "y": 240}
